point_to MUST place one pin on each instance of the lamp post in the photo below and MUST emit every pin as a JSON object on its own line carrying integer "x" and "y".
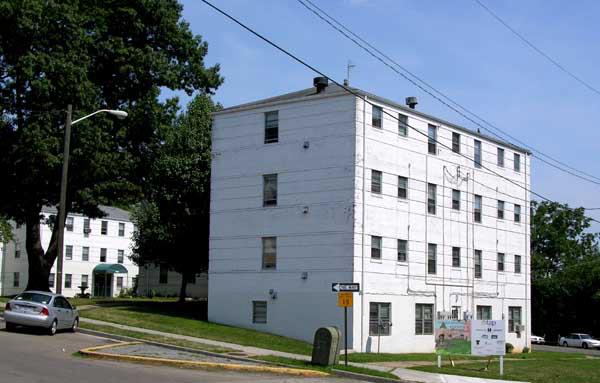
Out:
{"x": 63, "y": 187}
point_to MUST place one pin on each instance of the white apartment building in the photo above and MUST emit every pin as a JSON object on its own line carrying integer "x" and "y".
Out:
{"x": 96, "y": 254}
{"x": 321, "y": 186}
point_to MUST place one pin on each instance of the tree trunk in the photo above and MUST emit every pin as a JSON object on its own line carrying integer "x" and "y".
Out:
{"x": 182, "y": 290}
{"x": 40, "y": 263}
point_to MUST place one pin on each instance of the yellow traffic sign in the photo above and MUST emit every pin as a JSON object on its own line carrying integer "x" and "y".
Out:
{"x": 345, "y": 299}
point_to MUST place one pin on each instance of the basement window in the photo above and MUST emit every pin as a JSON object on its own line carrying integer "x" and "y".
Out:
{"x": 259, "y": 312}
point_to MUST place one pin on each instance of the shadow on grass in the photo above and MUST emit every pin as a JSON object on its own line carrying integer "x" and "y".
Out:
{"x": 189, "y": 310}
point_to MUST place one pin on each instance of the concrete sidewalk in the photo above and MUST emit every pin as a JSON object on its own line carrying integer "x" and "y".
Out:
{"x": 402, "y": 373}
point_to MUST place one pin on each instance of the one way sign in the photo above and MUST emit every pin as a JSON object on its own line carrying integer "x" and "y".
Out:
{"x": 339, "y": 286}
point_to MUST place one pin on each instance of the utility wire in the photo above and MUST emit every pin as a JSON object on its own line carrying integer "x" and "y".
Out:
{"x": 538, "y": 50}
{"x": 353, "y": 92}
{"x": 346, "y": 32}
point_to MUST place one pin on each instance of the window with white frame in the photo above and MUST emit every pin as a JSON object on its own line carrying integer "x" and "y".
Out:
{"x": 402, "y": 125}
{"x": 431, "y": 258}
{"x": 456, "y": 313}
{"x": 477, "y": 155}
{"x": 121, "y": 229}
{"x": 402, "y": 250}
{"x": 271, "y": 127}
{"x": 517, "y": 264}
{"x": 17, "y": 249}
{"x": 68, "y": 280}
{"x": 514, "y": 318}
{"x": 51, "y": 280}
{"x": 119, "y": 282}
{"x": 68, "y": 252}
{"x": 432, "y": 139}
{"x": 69, "y": 224}
{"x": 500, "y": 261}
{"x": 431, "y": 198}
{"x": 455, "y": 142}
{"x": 85, "y": 279}
{"x": 376, "y": 178}
{"x": 501, "y": 157}
{"x": 375, "y": 247}
{"x": 456, "y": 257}
{"x": 270, "y": 190}
{"x": 423, "y": 319}
{"x": 402, "y": 187}
{"x": 86, "y": 227}
{"x": 500, "y": 209}
{"x": 377, "y": 116}
{"x": 455, "y": 199}
{"x": 478, "y": 263}
{"x": 517, "y": 213}
{"x": 104, "y": 228}
{"x": 477, "y": 208}
{"x": 16, "y": 279}
{"x": 379, "y": 318}
{"x": 517, "y": 162}
{"x": 103, "y": 255}
{"x": 269, "y": 253}
{"x": 120, "y": 256}
{"x": 484, "y": 312}
{"x": 85, "y": 253}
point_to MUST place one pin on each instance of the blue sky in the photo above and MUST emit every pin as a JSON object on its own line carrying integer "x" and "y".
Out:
{"x": 454, "y": 45}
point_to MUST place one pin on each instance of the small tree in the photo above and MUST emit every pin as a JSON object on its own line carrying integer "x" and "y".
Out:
{"x": 172, "y": 223}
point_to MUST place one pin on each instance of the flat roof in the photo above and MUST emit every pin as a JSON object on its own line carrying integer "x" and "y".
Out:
{"x": 334, "y": 90}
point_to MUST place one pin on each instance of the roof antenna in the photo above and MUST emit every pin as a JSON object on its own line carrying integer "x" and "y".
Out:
{"x": 349, "y": 66}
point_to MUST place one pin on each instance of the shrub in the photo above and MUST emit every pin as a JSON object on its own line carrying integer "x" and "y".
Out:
{"x": 509, "y": 348}
{"x": 525, "y": 350}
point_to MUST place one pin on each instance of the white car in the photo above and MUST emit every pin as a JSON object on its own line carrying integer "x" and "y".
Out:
{"x": 579, "y": 340}
{"x": 537, "y": 339}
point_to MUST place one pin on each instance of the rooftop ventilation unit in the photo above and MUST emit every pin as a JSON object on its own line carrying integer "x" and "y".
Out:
{"x": 320, "y": 83}
{"x": 411, "y": 102}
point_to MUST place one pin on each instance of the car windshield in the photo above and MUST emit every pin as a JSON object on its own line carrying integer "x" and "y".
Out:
{"x": 585, "y": 336}
{"x": 34, "y": 297}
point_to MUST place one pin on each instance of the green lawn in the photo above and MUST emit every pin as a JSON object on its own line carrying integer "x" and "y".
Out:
{"x": 115, "y": 301}
{"x": 306, "y": 365}
{"x": 432, "y": 357}
{"x": 536, "y": 367}
{"x": 154, "y": 338}
{"x": 189, "y": 318}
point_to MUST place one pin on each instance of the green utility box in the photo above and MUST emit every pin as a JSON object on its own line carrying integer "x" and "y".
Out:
{"x": 326, "y": 347}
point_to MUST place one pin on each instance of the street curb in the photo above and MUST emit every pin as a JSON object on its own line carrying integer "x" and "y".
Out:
{"x": 93, "y": 352}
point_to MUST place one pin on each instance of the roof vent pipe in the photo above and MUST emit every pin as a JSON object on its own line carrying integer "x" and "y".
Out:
{"x": 411, "y": 102}
{"x": 320, "y": 83}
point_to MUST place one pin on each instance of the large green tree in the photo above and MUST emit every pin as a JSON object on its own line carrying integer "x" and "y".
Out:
{"x": 565, "y": 271}
{"x": 91, "y": 54}
{"x": 172, "y": 222}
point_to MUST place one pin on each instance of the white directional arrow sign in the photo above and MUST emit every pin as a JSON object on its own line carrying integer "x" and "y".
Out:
{"x": 340, "y": 286}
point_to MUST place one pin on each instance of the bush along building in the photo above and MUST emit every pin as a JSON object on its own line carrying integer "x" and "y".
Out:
{"x": 321, "y": 186}
{"x": 96, "y": 255}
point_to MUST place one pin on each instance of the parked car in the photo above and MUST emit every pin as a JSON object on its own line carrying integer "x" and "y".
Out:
{"x": 537, "y": 339}
{"x": 579, "y": 340}
{"x": 50, "y": 311}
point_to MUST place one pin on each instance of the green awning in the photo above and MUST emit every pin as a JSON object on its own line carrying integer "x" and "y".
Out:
{"x": 108, "y": 268}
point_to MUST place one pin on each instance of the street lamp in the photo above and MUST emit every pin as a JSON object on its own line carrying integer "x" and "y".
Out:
{"x": 63, "y": 186}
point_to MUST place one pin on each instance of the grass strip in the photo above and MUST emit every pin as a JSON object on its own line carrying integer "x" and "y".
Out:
{"x": 155, "y": 338}
{"x": 295, "y": 363}
{"x": 183, "y": 320}
{"x": 432, "y": 357}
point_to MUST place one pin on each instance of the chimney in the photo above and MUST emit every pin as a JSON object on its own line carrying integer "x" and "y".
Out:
{"x": 320, "y": 83}
{"x": 411, "y": 102}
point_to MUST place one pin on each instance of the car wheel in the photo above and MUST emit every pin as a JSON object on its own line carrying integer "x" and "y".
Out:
{"x": 75, "y": 325}
{"x": 584, "y": 345}
{"x": 53, "y": 328}
{"x": 565, "y": 344}
{"x": 10, "y": 326}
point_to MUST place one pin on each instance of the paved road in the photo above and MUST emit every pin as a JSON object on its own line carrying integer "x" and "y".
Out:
{"x": 30, "y": 357}
{"x": 539, "y": 347}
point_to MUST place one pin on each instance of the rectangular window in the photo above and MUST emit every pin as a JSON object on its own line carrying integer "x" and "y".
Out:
{"x": 377, "y": 118}
{"x": 51, "y": 280}
{"x": 86, "y": 227}
{"x": 477, "y": 156}
{"x": 484, "y": 312}
{"x": 456, "y": 257}
{"x": 68, "y": 278}
{"x": 103, "y": 255}
{"x": 500, "y": 261}
{"x": 104, "y": 228}
{"x": 477, "y": 208}
{"x": 17, "y": 250}
{"x": 69, "y": 224}
{"x": 270, "y": 190}
{"x": 85, "y": 280}
{"x": 402, "y": 125}
{"x": 120, "y": 256}
{"x": 375, "y": 247}
{"x": 119, "y": 282}
{"x": 16, "y": 279}
{"x": 402, "y": 187}
{"x": 500, "y": 209}
{"x": 259, "y": 312}
{"x": 379, "y": 318}
{"x": 163, "y": 274}
{"x": 517, "y": 162}
{"x": 478, "y": 266}
{"x": 431, "y": 258}
{"x": 272, "y": 127}
{"x": 402, "y": 250}
{"x": 455, "y": 142}
{"x": 514, "y": 318}
{"x": 68, "y": 252}
{"x": 456, "y": 312}
{"x": 432, "y": 139}
{"x": 431, "y": 198}
{"x": 85, "y": 253}
{"x": 269, "y": 253}
{"x": 501, "y": 157}
{"x": 517, "y": 264}
{"x": 517, "y": 213}
{"x": 423, "y": 319}
{"x": 455, "y": 199}
{"x": 376, "y": 181}
{"x": 121, "y": 229}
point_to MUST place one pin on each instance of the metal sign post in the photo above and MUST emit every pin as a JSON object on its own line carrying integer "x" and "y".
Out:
{"x": 345, "y": 300}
